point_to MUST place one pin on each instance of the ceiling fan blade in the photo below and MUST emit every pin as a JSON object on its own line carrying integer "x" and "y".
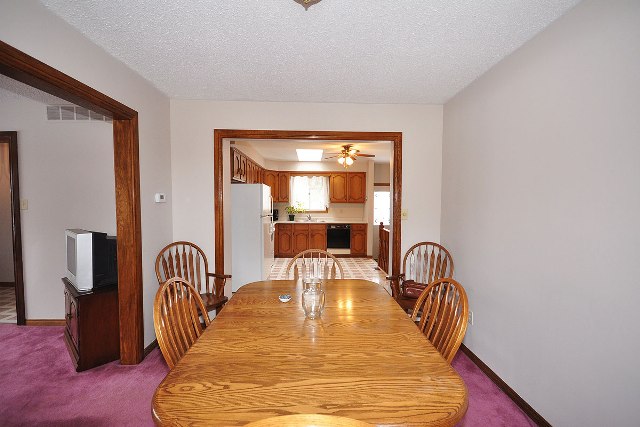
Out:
{"x": 332, "y": 157}
{"x": 366, "y": 155}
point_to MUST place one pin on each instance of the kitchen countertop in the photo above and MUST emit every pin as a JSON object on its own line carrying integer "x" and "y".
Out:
{"x": 321, "y": 221}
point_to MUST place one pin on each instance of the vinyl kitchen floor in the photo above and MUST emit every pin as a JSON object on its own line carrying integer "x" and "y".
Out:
{"x": 354, "y": 268}
{"x": 8, "y": 305}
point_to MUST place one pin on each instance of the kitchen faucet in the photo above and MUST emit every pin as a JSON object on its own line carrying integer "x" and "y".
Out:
{"x": 309, "y": 217}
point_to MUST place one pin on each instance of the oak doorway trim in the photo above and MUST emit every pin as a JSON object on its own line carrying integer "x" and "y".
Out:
{"x": 26, "y": 69}
{"x": 11, "y": 138}
{"x": 396, "y": 200}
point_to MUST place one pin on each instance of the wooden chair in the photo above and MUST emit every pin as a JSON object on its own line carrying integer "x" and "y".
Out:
{"x": 308, "y": 420}
{"x": 441, "y": 313}
{"x": 423, "y": 263}
{"x": 187, "y": 260}
{"x": 315, "y": 263}
{"x": 176, "y": 318}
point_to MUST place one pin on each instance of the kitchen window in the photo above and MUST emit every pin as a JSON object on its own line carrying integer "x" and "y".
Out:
{"x": 311, "y": 192}
{"x": 381, "y": 207}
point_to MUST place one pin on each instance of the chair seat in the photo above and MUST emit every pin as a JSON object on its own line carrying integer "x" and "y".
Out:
{"x": 407, "y": 304}
{"x": 413, "y": 289}
{"x": 212, "y": 301}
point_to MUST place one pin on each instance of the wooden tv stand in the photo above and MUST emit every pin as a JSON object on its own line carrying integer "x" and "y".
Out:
{"x": 92, "y": 333}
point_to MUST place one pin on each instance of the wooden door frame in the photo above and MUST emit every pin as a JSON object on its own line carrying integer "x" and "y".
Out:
{"x": 218, "y": 177}
{"x": 26, "y": 69}
{"x": 16, "y": 230}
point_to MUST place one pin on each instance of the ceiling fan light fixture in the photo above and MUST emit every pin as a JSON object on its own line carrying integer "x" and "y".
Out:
{"x": 348, "y": 161}
{"x": 341, "y": 160}
{"x": 307, "y": 3}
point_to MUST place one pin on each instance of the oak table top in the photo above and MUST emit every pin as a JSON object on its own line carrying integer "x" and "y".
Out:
{"x": 260, "y": 358}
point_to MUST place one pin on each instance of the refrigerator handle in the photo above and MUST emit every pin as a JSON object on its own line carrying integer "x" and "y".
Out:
{"x": 271, "y": 197}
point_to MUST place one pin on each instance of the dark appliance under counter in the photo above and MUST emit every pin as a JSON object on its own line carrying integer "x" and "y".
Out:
{"x": 338, "y": 236}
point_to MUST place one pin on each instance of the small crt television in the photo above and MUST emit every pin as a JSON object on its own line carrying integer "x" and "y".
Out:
{"x": 91, "y": 259}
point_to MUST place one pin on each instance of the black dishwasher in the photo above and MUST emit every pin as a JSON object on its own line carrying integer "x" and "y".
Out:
{"x": 338, "y": 236}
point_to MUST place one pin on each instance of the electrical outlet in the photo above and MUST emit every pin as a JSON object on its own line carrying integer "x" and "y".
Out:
{"x": 470, "y": 318}
{"x": 404, "y": 214}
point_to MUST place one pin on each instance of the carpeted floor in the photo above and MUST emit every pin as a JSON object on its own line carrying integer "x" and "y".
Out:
{"x": 39, "y": 387}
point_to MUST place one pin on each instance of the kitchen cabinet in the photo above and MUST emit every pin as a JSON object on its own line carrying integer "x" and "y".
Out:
{"x": 284, "y": 240}
{"x": 338, "y": 187}
{"x": 348, "y": 187}
{"x": 271, "y": 179}
{"x": 283, "y": 187}
{"x": 317, "y": 236}
{"x": 359, "y": 239}
{"x": 300, "y": 238}
{"x": 356, "y": 187}
{"x": 238, "y": 166}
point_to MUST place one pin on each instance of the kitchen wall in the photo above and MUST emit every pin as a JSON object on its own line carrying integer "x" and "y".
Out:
{"x": 540, "y": 210}
{"x": 381, "y": 174}
{"x": 30, "y": 27}
{"x": 193, "y": 122}
{"x": 66, "y": 175}
{"x": 6, "y": 218}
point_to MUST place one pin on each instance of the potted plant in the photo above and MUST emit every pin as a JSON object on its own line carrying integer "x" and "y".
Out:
{"x": 293, "y": 210}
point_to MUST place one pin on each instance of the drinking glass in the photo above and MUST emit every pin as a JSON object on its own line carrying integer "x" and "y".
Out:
{"x": 313, "y": 302}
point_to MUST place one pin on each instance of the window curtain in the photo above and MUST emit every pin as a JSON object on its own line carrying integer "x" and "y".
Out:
{"x": 312, "y": 192}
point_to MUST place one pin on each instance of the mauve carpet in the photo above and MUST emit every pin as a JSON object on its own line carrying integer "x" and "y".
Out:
{"x": 39, "y": 387}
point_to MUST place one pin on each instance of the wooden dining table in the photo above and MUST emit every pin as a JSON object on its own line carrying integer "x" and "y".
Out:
{"x": 363, "y": 359}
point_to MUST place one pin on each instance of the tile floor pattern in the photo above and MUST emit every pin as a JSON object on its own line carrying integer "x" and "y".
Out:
{"x": 354, "y": 268}
{"x": 8, "y": 305}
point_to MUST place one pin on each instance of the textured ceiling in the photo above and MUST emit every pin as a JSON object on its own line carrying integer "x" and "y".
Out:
{"x": 360, "y": 51}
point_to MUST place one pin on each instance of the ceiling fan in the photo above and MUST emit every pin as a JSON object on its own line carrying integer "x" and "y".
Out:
{"x": 348, "y": 155}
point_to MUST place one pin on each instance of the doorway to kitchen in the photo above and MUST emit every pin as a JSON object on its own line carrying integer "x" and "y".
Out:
{"x": 221, "y": 135}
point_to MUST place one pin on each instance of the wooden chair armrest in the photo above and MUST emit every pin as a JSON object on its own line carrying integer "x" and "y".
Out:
{"x": 219, "y": 276}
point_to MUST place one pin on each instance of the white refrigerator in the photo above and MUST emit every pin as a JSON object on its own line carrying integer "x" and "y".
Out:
{"x": 252, "y": 234}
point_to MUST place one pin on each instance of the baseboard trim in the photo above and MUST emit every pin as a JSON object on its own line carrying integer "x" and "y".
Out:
{"x": 526, "y": 408}
{"x": 45, "y": 322}
{"x": 148, "y": 349}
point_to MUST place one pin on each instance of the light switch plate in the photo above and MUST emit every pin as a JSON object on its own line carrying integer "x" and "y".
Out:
{"x": 404, "y": 214}
{"x": 24, "y": 204}
{"x": 160, "y": 198}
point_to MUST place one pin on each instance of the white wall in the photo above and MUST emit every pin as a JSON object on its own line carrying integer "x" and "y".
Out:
{"x": 193, "y": 122}
{"x": 6, "y": 218}
{"x": 66, "y": 174}
{"x": 30, "y": 27}
{"x": 540, "y": 210}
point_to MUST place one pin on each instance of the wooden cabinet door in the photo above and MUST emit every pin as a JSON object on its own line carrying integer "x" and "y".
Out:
{"x": 284, "y": 235}
{"x": 271, "y": 179}
{"x": 236, "y": 165}
{"x": 359, "y": 239}
{"x": 318, "y": 236}
{"x": 356, "y": 187}
{"x": 283, "y": 186}
{"x": 243, "y": 168}
{"x": 71, "y": 316}
{"x": 338, "y": 187}
{"x": 300, "y": 238}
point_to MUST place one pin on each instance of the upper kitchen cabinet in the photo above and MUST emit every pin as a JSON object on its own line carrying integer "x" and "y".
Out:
{"x": 238, "y": 166}
{"x": 338, "y": 187}
{"x": 282, "y": 187}
{"x": 271, "y": 179}
{"x": 348, "y": 187}
{"x": 356, "y": 187}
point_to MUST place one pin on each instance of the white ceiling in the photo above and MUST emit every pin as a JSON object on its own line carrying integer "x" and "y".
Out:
{"x": 285, "y": 150}
{"x": 358, "y": 51}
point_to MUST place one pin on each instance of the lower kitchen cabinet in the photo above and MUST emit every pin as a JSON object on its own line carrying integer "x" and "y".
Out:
{"x": 318, "y": 236}
{"x": 300, "y": 238}
{"x": 359, "y": 239}
{"x": 284, "y": 240}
